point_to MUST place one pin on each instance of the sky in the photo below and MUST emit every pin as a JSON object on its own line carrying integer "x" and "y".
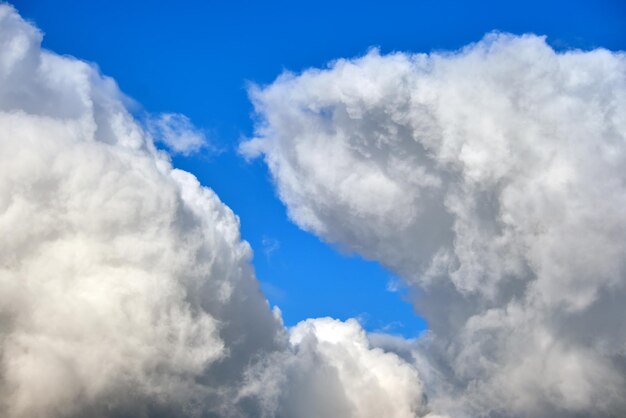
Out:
{"x": 198, "y": 59}
{"x": 280, "y": 210}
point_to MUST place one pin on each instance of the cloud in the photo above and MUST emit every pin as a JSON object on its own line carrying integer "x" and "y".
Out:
{"x": 177, "y": 133}
{"x": 125, "y": 287}
{"x": 332, "y": 371}
{"x": 491, "y": 179}
{"x": 270, "y": 246}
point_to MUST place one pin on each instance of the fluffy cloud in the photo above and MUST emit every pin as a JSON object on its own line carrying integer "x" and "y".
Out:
{"x": 332, "y": 371}
{"x": 492, "y": 180}
{"x": 177, "y": 133}
{"x": 125, "y": 288}
{"x": 125, "y": 285}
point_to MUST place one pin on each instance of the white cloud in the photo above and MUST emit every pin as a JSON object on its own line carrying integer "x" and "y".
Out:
{"x": 270, "y": 246}
{"x": 332, "y": 371}
{"x": 122, "y": 280}
{"x": 125, "y": 288}
{"x": 492, "y": 180}
{"x": 177, "y": 132}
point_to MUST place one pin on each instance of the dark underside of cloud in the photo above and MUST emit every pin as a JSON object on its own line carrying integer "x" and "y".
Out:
{"x": 490, "y": 179}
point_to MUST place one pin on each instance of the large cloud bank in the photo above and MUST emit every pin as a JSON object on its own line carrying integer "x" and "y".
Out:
{"x": 125, "y": 289}
{"x": 493, "y": 180}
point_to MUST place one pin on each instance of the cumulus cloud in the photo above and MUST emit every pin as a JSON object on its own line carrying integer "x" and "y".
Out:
{"x": 491, "y": 179}
{"x": 177, "y": 133}
{"x": 125, "y": 288}
{"x": 332, "y": 371}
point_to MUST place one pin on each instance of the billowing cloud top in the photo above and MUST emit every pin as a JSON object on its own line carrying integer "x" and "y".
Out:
{"x": 125, "y": 288}
{"x": 492, "y": 180}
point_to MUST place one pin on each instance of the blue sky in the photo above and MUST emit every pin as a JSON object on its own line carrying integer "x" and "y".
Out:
{"x": 196, "y": 58}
